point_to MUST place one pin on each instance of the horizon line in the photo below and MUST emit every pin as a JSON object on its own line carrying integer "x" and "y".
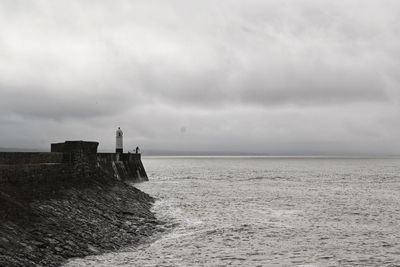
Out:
{"x": 184, "y": 153}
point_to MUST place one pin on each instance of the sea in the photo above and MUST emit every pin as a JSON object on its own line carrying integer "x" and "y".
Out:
{"x": 268, "y": 211}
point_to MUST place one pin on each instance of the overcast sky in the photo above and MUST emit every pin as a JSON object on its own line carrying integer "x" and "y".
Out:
{"x": 264, "y": 76}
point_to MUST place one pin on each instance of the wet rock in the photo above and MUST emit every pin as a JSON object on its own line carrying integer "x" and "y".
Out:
{"x": 69, "y": 242}
{"x": 52, "y": 240}
{"x": 92, "y": 249}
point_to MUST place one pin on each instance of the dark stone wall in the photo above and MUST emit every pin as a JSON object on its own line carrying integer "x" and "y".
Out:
{"x": 36, "y": 168}
{"x": 34, "y": 174}
{"x": 72, "y": 159}
{"x": 22, "y": 168}
{"x": 30, "y": 157}
{"x": 80, "y": 154}
{"x": 83, "y": 165}
{"x": 122, "y": 166}
{"x": 75, "y": 146}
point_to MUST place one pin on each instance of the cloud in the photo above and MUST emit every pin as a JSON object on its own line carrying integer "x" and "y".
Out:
{"x": 217, "y": 69}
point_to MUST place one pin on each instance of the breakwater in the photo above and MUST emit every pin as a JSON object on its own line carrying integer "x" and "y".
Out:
{"x": 66, "y": 160}
{"x": 70, "y": 202}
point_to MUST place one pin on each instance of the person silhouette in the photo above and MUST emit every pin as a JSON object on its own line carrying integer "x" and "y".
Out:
{"x": 137, "y": 150}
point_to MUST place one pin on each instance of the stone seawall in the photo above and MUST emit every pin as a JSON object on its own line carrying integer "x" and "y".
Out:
{"x": 30, "y": 168}
{"x": 30, "y": 157}
{"x": 34, "y": 174}
{"x": 54, "y": 206}
{"x": 122, "y": 166}
{"x": 70, "y": 202}
{"x": 52, "y": 167}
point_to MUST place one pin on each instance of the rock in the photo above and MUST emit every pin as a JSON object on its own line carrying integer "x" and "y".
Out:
{"x": 69, "y": 242}
{"x": 92, "y": 249}
{"x": 67, "y": 247}
{"x": 52, "y": 241}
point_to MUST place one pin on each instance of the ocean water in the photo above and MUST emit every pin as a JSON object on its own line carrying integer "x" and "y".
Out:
{"x": 269, "y": 212}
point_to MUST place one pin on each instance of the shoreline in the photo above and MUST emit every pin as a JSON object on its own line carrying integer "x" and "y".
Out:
{"x": 50, "y": 225}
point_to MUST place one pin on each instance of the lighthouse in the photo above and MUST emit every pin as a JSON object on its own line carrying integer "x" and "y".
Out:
{"x": 118, "y": 141}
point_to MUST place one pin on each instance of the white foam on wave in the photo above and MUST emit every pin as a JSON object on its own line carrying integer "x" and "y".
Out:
{"x": 168, "y": 211}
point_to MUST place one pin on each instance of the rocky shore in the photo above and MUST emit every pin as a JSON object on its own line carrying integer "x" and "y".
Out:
{"x": 47, "y": 224}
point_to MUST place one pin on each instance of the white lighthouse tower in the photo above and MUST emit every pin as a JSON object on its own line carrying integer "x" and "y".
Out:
{"x": 118, "y": 141}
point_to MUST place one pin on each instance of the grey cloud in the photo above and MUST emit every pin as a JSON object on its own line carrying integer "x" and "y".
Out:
{"x": 33, "y": 102}
{"x": 219, "y": 69}
{"x": 330, "y": 86}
